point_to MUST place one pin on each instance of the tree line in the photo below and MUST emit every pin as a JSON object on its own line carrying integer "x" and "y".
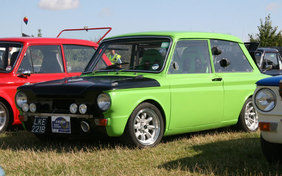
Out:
{"x": 267, "y": 36}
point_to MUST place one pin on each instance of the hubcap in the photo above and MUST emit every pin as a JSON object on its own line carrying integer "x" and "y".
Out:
{"x": 147, "y": 126}
{"x": 3, "y": 116}
{"x": 251, "y": 117}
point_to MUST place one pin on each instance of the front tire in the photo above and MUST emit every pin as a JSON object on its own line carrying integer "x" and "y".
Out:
{"x": 145, "y": 127}
{"x": 271, "y": 151}
{"x": 248, "y": 119}
{"x": 5, "y": 116}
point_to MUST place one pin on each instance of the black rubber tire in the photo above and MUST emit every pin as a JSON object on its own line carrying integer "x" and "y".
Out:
{"x": 271, "y": 151}
{"x": 8, "y": 120}
{"x": 129, "y": 136}
{"x": 241, "y": 124}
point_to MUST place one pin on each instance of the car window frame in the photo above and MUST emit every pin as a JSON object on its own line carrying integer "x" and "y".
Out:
{"x": 65, "y": 58}
{"x": 243, "y": 54}
{"x": 59, "y": 45}
{"x": 100, "y": 50}
{"x": 211, "y": 69}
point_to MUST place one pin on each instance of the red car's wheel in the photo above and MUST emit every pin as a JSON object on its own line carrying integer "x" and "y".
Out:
{"x": 4, "y": 117}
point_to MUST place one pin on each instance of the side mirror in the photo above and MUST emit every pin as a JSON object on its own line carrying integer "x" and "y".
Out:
{"x": 24, "y": 74}
{"x": 224, "y": 62}
{"x": 216, "y": 51}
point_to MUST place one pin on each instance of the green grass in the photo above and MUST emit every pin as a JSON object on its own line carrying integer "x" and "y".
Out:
{"x": 218, "y": 152}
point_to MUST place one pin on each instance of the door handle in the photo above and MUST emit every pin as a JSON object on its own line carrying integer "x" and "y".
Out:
{"x": 217, "y": 79}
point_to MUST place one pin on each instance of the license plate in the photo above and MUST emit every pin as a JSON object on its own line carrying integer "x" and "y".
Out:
{"x": 61, "y": 124}
{"x": 39, "y": 125}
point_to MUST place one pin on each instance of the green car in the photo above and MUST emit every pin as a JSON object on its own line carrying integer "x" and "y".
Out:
{"x": 143, "y": 86}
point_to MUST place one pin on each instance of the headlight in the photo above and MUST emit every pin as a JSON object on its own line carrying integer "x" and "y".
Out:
{"x": 21, "y": 99}
{"x": 82, "y": 108}
{"x": 104, "y": 101}
{"x": 73, "y": 108}
{"x": 25, "y": 107}
{"x": 265, "y": 100}
{"x": 32, "y": 107}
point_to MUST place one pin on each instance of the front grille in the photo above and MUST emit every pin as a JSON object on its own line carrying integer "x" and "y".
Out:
{"x": 54, "y": 106}
{"x": 61, "y": 106}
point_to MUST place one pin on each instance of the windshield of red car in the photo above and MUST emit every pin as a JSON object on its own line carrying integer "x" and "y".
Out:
{"x": 131, "y": 54}
{"x": 9, "y": 53}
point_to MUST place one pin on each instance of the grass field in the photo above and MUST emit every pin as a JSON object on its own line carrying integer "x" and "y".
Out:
{"x": 219, "y": 152}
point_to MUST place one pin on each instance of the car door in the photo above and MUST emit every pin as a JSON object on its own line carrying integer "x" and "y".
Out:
{"x": 41, "y": 63}
{"x": 238, "y": 77}
{"x": 196, "y": 92}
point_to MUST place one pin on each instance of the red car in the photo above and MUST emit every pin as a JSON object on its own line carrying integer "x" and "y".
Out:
{"x": 29, "y": 60}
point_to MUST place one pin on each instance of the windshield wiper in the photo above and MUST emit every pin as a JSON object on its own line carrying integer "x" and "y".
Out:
{"x": 2, "y": 69}
{"x": 115, "y": 66}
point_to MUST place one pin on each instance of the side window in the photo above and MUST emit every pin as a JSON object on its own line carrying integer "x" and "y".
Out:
{"x": 270, "y": 59}
{"x": 190, "y": 56}
{"x": 42, "y": 59}
{"x": 77, "y": 57}
{"x": 230, "y": 58}
{"x": 26, "y": 64}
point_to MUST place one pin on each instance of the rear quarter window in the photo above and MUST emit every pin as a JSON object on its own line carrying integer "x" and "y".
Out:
{"x": 232, "y": 52}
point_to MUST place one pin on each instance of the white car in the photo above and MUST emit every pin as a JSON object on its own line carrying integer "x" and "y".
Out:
{"x": 268, "y": 104}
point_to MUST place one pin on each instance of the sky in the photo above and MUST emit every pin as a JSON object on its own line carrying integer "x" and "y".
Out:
{"x": 235, "y": 17}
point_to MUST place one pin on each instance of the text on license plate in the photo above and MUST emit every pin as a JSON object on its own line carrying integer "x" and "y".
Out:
{"x": 39, "y": 125}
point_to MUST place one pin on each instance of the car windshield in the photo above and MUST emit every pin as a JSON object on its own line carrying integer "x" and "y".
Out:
{"x": 9, "y": 53}
{"x": 130, "y": 54}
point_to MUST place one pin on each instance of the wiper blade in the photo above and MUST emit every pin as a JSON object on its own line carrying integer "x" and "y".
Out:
{"x": 116, "y": 66}
{"x": 2, "y": 69}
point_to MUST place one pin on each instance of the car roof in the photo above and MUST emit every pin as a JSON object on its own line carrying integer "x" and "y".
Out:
{"x": 180, "y": 35}
{"x": 268, "y": 50}
{"x": 41, "y": 40}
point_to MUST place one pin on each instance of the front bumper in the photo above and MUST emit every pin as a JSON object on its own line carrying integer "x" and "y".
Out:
{"x": 271, "y": 128}
{"x": 108, "y": 126}
{"x": 76, "y": 119}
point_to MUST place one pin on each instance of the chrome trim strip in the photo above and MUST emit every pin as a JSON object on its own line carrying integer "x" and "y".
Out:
{"x": 84, "y": 116}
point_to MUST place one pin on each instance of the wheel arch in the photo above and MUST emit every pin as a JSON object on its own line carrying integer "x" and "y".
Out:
{"x": 11, "y": 119}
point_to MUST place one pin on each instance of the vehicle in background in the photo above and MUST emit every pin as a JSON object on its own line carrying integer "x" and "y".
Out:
{"x": 28, "y": 60}
{"x": 269, "y": 61}
{"x": 268, "y": 104}
{"x": 156, "y": 84}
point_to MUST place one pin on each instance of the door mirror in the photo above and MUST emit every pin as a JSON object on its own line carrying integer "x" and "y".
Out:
{"x": 24, "y": 74}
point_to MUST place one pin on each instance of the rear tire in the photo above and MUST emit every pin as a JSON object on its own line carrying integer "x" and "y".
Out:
{"x": 248, "y": 119}
{"x": 145, "y": 127}
{"x": 5, "y": 117}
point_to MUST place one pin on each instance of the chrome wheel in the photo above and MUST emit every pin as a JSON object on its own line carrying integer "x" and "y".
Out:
{"x": 147, "y": 126}
{"x": 3, "y": 117}
{"x": 251, "y": 117}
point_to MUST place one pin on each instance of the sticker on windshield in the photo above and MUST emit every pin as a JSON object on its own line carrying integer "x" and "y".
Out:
{"x": 8, "y": 68}
{"x": 165, "y": 45}
{"x": 155, "y": 66}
